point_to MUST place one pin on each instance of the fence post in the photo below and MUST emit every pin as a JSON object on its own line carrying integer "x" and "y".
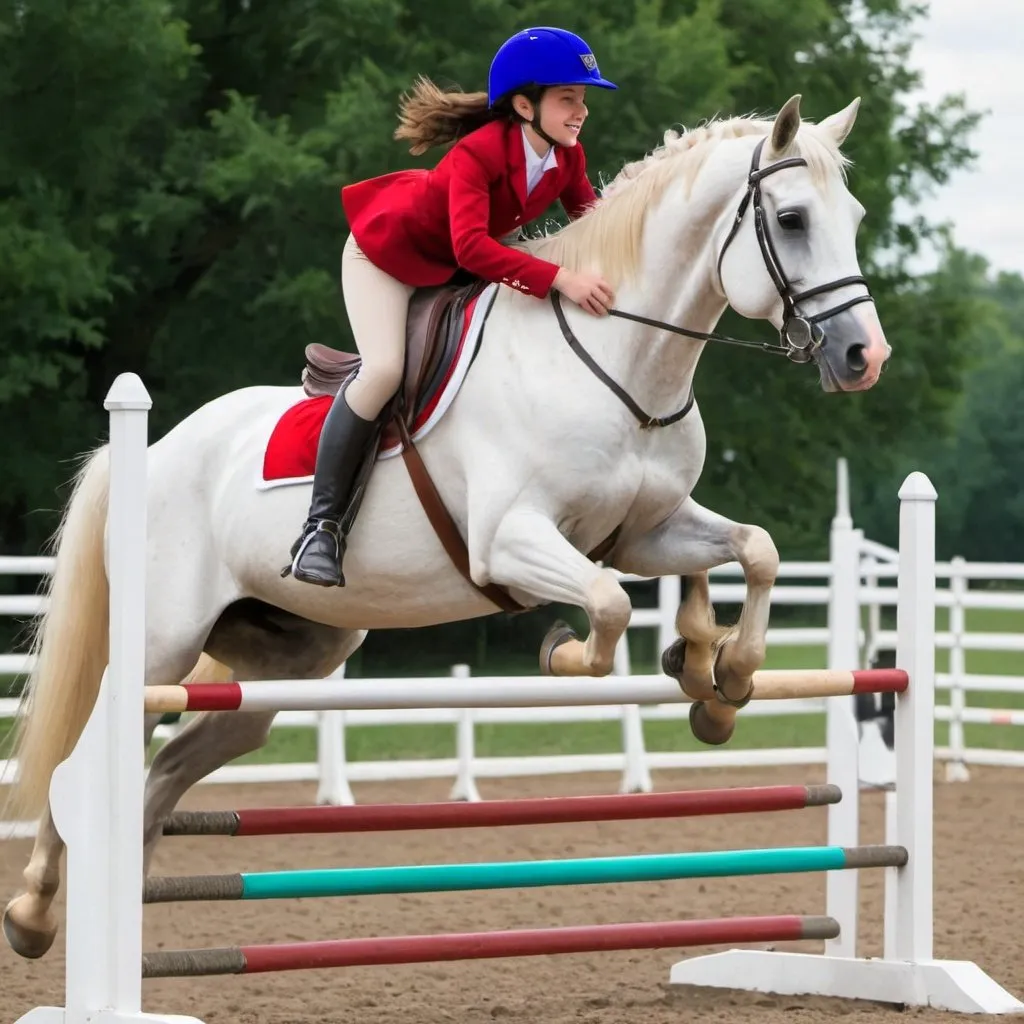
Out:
{"x": 842, "y": 739}
{"x": 874, "y": 616}
{"x": 670, "y": 597}
{"x": 956, "y": 767}
{"x": 332, "y": 770}
{"x": 464, "y": 787}
{"x": 636, "y": 776}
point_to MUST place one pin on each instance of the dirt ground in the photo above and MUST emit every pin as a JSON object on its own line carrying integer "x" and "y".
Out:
{"x": 979, "y": 896}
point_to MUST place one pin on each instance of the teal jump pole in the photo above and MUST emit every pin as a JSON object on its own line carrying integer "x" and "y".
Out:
{"x": 374, "y": 881}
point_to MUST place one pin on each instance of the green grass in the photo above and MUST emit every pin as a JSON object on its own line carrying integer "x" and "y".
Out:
{"x": 424, "y": 741}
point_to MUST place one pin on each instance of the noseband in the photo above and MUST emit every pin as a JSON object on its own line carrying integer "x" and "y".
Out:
{"x": 800, "y": 336}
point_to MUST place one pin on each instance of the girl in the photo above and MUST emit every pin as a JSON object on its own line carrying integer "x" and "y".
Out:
{"x": 516, "y": 150}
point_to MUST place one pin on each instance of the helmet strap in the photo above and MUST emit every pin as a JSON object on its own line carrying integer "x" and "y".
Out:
{"x": 534, "y": 94}
{"x": 535, "y": 125}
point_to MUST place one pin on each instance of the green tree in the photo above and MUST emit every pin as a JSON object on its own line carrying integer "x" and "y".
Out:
{"x": 978, "y": 467}
{"x": 169, "y": 177}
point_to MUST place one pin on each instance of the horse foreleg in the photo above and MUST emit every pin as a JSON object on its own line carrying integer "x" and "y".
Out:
{"x": 529, "y": 553}
{"x": 29, "y": 923}
{"x": 714, "y": 665}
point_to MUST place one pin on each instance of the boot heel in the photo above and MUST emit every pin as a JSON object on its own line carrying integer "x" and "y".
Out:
{"x": 318, "y": 559}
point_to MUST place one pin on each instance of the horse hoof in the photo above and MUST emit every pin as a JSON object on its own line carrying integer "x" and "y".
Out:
{"x": 673, "y": 658}
{"x": 557, "y": 635}
{"x": 706, "y": 729}
{"x": 31, "y": 943}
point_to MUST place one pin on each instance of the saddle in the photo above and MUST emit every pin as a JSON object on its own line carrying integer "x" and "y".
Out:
{"x": 434, "y": 327}
{"x": 435, "y": 324}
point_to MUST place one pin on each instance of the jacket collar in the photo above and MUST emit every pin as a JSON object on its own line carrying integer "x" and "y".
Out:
{"x": 515, "y": 157}
{"x": 515, "y": 151}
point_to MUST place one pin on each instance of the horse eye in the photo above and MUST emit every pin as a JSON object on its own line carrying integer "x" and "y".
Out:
{"x": 791, "y": 220}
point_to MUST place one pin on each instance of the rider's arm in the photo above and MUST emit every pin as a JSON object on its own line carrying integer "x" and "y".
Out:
{"x": 469, "y": 207}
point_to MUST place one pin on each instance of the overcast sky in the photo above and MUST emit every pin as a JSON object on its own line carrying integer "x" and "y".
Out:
{"x": 976, "y": 47}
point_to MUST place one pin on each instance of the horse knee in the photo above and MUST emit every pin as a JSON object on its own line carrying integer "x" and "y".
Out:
{"x": 759, "y": 556}
{"x": 610, "y": 607}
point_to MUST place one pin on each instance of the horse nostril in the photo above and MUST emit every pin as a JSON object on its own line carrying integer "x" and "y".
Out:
{"x": 855, "y": 359}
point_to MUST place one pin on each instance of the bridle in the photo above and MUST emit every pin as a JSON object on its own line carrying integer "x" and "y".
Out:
{"x": 800, "y": 336}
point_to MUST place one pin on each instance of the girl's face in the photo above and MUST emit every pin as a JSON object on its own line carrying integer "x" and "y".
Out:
{"x": 562, "y": 112}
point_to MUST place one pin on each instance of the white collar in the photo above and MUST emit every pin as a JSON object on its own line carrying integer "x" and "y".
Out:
{"x": 536, "y": 166}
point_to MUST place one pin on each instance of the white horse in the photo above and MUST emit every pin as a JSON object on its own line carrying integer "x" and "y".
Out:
{"x": 539, "y": 460}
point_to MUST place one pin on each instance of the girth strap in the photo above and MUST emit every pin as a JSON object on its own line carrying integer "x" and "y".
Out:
{"x": 444, "y": 526}
{"x": 448, "y": 531}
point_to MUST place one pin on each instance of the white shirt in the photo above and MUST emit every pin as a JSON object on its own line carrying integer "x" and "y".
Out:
{"x": 536, "y": 166}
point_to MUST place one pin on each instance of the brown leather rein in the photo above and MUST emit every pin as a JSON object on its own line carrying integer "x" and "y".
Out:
{"x": 800, "y": 335}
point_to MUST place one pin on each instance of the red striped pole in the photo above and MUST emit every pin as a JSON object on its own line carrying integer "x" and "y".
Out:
{"x": 412, "y": 949}
{"x": 279, "y": 821}
{"x": 500, "y": 691}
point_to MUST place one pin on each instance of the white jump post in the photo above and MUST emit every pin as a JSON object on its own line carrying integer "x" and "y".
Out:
{"x": 97, "y": 794}
{"x": 907, "y": 974}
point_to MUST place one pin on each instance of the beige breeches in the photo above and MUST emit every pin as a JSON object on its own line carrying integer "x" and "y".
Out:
{"x": 377, "y": 306}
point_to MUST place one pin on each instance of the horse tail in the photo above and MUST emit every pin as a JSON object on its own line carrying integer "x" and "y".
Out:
{"x": 70, "y": 640}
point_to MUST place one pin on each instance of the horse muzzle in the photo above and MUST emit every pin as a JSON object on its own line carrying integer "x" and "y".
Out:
{"x": 849, "y": 349}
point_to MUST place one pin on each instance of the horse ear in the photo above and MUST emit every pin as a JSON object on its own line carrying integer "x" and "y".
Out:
{"x": 840, "y": 124}
{"x": 787, "y": 123}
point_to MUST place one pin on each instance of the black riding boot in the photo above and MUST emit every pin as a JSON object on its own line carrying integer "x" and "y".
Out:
{"x": 345, "y": 442}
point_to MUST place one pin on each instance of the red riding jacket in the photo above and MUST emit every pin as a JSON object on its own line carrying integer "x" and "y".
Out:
{"x": 421, "y": 226}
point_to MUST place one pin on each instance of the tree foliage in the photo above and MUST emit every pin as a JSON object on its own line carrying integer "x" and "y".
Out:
{"x": 977, "y": 466}
{"x": 169, "y": 176}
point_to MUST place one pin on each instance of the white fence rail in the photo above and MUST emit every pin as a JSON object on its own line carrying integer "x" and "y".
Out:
{"x": 854, "y": 626}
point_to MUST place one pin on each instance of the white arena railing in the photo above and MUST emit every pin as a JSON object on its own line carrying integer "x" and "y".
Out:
{"x": 854, "y": 635}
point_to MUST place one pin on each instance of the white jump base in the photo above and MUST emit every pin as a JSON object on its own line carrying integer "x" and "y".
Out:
{"x": 957, "y": 985}
{"x": 907, "y": 973}
{"x": 96, "y": 798}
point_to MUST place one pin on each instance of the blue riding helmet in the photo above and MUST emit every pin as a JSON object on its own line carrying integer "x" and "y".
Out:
{"x": 542, "y": 56}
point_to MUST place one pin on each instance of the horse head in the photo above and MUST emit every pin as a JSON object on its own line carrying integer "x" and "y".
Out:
{"x": 744, "y": 212}
{"x": 787, "y": 251}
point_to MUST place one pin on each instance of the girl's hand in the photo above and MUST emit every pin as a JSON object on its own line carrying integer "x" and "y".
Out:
{"x": 588, "y": 290}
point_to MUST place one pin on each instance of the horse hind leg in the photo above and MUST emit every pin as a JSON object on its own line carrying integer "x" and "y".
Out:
{"x": 182, "y": 760}
{"x": 250, "y": 641}
{"x": 210, "y": 740}
{"x": 29, "y": 923}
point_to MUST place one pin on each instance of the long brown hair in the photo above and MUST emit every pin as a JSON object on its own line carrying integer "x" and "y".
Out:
{"x": 429, "y": 116}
